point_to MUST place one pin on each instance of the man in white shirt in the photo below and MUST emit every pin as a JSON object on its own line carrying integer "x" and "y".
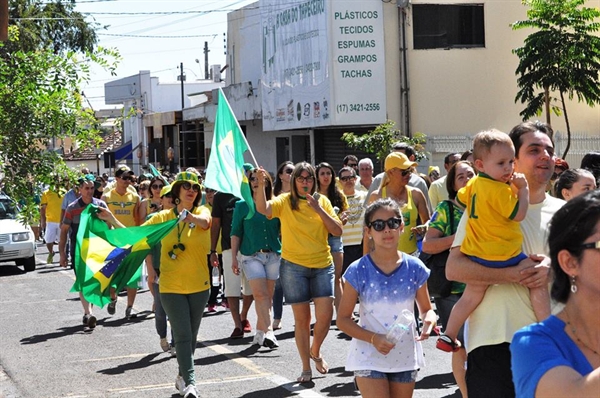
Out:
{"x": 437, "y": 189}
{"x": 506, "y": 306}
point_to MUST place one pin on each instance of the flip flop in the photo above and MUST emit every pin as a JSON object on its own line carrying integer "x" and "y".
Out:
{"x": 305, "y": 376}
{"x": 320, "y": 364}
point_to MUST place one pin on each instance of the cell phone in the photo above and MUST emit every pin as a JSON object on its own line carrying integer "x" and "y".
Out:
{"x": 316, "y": 196}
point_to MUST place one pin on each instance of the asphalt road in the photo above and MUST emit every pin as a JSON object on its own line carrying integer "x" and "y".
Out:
{"x": 45, "y": 353}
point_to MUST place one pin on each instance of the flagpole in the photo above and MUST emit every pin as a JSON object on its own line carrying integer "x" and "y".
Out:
{"x": 240, "y": 129}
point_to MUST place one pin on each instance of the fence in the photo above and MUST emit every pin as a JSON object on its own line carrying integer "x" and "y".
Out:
{"x": 439, "y": 146}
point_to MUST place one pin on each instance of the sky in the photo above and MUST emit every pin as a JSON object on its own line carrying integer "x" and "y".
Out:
{"x": 149, "y": 38}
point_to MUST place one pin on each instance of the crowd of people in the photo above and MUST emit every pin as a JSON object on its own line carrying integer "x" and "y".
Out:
{"x": 323, "y": 240}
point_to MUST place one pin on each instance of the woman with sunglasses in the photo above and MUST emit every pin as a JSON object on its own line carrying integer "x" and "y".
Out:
{"x": 387, "y": 282}
{"x": 282, "y": 185}
{"x": 257, "y": 240}
{"x": 306, "y": 270}
{"x": 327, "y": 186}
{"x": 412, "y": 202}
{"x": 152, "y": 203}
{"x": 184, "y": 283}
{"x": 560, "y": 356}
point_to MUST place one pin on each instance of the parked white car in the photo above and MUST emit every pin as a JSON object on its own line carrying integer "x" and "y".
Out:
{"x": 16, "y": 240}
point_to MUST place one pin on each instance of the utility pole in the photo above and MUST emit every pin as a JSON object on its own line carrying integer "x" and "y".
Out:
{"x": 206, "y": 50}
{"x": 3, "y": 20}
{"x": 181, "y": 79}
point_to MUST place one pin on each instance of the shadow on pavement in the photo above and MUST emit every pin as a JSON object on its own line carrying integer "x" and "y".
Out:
{"x": 280, "y": 391}
{"x": 148, "y": 360}
{"x": 10, "y": 270}
{"x": 62, "y": 332}
{"x": 439, "y": 381}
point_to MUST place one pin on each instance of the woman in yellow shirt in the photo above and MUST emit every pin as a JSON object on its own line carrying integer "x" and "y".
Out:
{"x": 184, "y": 282}
{"x": 306, "y": 270}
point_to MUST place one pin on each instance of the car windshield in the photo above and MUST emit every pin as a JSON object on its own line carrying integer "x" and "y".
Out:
{"x": 8, "y": 209}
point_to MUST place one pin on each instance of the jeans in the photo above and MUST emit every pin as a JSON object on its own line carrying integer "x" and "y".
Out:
{"x": 278, "y": 300}
{"x": 185, "y": 313}
{"x": 301, "y": 284}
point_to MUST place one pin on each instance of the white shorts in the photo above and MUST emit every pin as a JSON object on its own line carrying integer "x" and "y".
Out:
{"x": 52, "y": 233}
{"x": 235, "y": 285}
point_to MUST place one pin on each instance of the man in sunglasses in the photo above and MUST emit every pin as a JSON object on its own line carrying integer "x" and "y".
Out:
{"x": 124, "y": 204}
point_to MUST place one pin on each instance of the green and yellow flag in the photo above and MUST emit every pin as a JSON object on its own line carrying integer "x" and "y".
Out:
{"x": 225, "y": 170}
{"x": 107, "y": 258}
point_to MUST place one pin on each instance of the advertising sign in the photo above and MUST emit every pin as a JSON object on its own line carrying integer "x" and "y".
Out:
{"x": 322, "y": 63}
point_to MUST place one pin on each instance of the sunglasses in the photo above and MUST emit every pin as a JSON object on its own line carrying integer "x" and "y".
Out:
{"x": 591, "y": 245}
{"x": 379, "y": 225}
{"x": 187, "y": 186}
{"x": 305, "y": 179}
{"x": 208, "y": 190}
{"x": 352, "y": 165}
{"x": 406, "y": 172}
{"x": 127, "y": 178}
{"x": 157, "y": 186}
{"x": 288, "y": 171}
{"x": 253, "y": 179}
{"x": 347, "y": 178}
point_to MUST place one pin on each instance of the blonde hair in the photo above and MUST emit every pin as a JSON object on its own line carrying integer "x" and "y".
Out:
{"x": 485, "y": 140}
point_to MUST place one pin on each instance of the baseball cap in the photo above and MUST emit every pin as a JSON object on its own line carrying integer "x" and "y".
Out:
{"x": 123, "y": 170}
{"x": 186, "y": 176}
{"x": 165, "y": 190}
{"x": 398, "y": 160}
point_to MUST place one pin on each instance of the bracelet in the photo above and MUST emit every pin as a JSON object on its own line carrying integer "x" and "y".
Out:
{"x": 372, "y": 337}
{"x": 213, "y": 252}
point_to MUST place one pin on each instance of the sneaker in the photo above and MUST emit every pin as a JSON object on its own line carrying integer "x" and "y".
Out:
{"x": 246, "y": 326}
{"x": 212, "y": 308}
{"x": 180, "y": 385}
{"x": 172, "y": 351}
{"x": 276, "y": 324}
{"x": 129, "y": 314}
{"x": 259, "y": 338}
{"x": 50, "y": 258}
{"x": 164, "y": 344}
{"x": 225, "y": 304}
{"x": 112, "y": 306}
{"x": 270, "y": 340}
{"x": 237, "y": 334}
{"x": 190, "y": 392}
{"x": 89, "y": 323}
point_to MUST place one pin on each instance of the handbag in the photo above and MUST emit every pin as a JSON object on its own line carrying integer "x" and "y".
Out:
{"x": 438, "y": 284}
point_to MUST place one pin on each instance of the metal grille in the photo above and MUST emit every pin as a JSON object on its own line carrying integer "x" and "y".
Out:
{"x": 4, "y": 238}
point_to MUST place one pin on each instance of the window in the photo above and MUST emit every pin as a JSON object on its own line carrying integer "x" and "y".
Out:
{"x": 448, "y": 26}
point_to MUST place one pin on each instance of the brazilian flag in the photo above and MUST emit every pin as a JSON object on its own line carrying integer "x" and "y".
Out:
{"x": 107, "y": 257}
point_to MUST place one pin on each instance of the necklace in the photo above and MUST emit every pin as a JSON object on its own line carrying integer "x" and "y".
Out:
{"x": 575, "y": 333}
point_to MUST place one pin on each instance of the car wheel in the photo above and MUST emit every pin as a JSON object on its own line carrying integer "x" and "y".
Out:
{"x": 29, "y": 264}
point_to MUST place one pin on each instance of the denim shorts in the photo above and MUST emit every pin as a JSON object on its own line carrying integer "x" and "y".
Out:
{"x": 261, "y": 265}
{"x": 335, "y": 244}
{"x": 301, "y": 284}
{"x": 409, "y": 376}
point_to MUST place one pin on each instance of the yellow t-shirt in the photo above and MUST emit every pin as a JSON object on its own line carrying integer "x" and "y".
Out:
{"x": 410, "y": 213}
{"x": 53, "y": 203}
{"x": 122, "y": 206}
{"x": 506, "y": 308}
{"x": 491, "y": 232}
{"x": 188, "y": 273}
{"x": 303, "y": 233}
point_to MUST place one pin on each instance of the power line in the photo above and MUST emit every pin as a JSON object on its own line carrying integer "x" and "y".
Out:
{"x": 155, "y": 36}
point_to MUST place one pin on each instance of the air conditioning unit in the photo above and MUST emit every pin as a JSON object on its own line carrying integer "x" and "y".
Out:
{"x": 215, "y": 73}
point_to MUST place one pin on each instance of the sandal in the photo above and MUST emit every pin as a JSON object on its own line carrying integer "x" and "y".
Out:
{"x": 446, "y": 344}
{"x": 305, "y": 376}
{"x": 320, "y": 364}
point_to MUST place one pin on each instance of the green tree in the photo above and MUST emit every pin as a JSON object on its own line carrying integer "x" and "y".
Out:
{"x": 40, "y": 101}
{"x": 53, "y": 25}
{"x": 381, "y": 140}
{"x": 561, "y": 57}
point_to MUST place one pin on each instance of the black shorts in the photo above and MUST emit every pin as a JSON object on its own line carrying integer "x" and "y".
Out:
{"x": 489, "y": 373}
{"x": 351, "y": 254}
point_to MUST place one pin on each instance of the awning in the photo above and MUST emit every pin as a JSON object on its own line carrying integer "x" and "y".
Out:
{"x": 124, "y": 152}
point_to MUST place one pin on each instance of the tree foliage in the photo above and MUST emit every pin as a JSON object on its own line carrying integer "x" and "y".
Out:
{"x": 560, "y": 60}
{"x": 40, "y": 102}
{"x": 381, "y": 140}
{"x": 53, "y": 25}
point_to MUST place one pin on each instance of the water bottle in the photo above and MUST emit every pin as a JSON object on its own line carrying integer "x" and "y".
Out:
{"x": 400, "y": 327}
{"x": 216, "y": 277}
